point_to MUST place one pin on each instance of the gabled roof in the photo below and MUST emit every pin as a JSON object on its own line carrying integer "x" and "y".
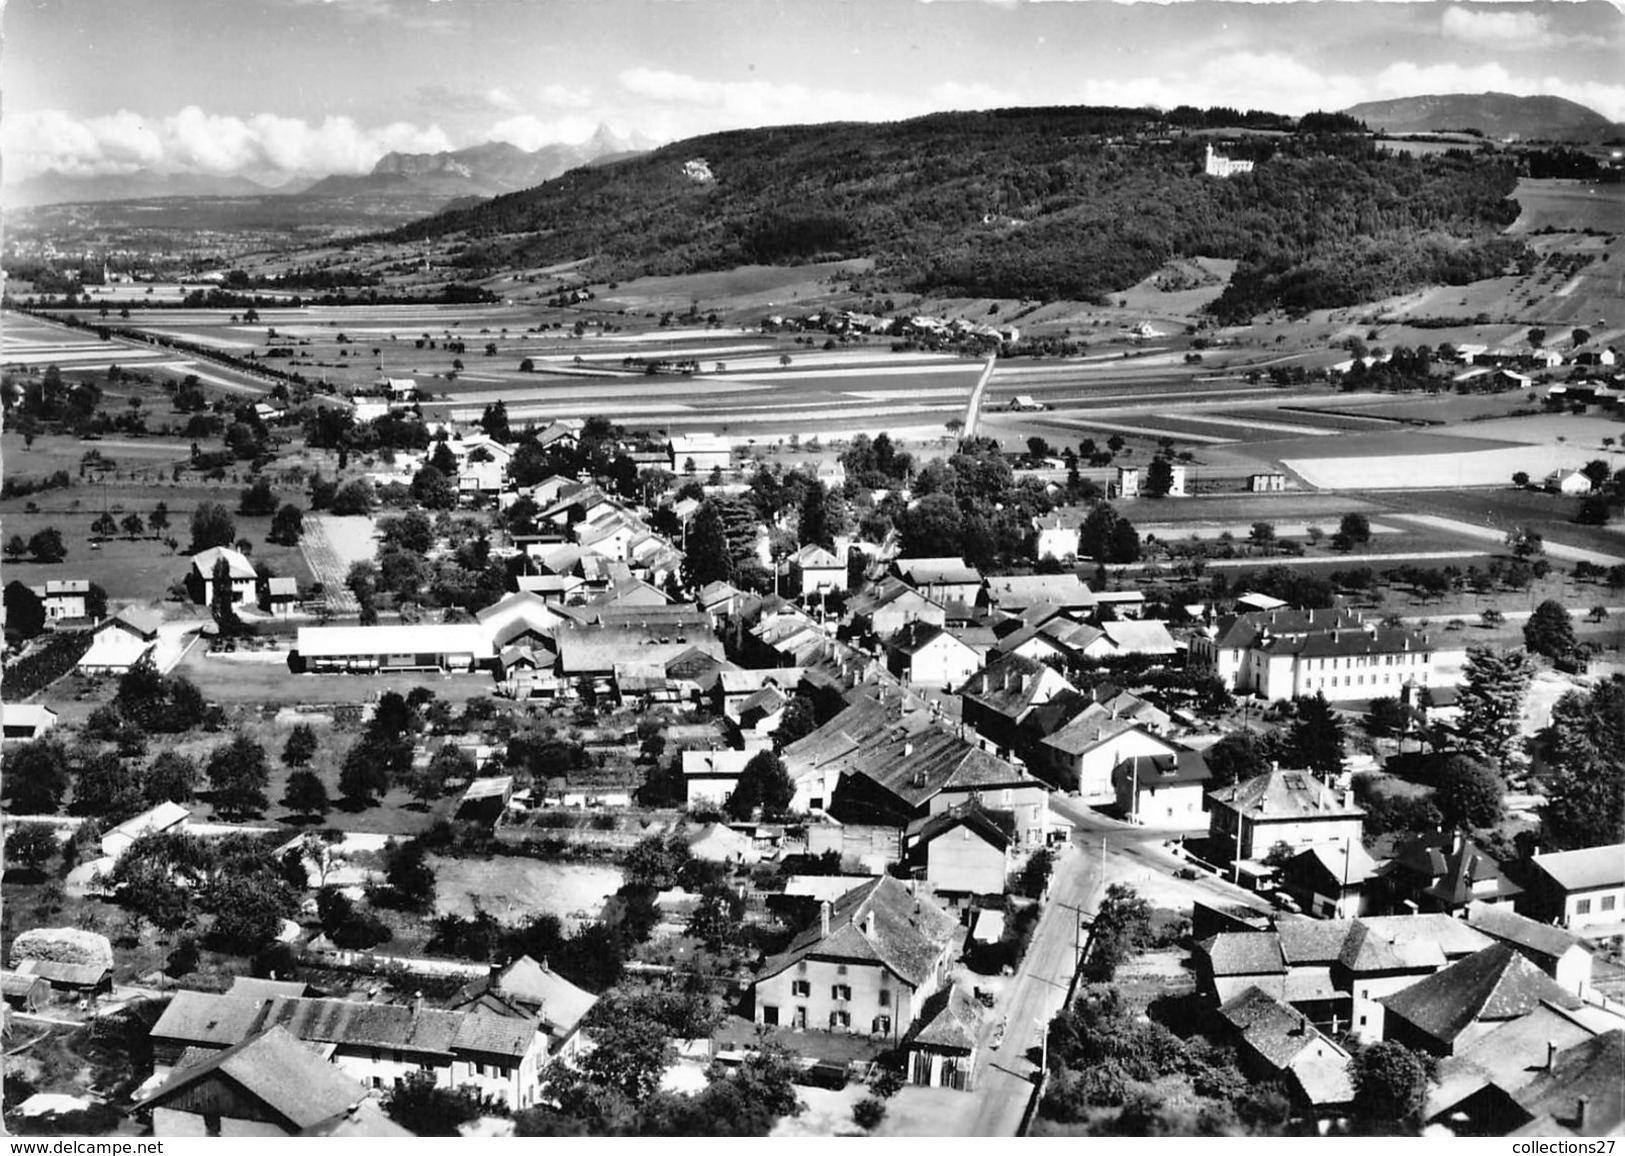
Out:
{"x": 812, "y": 556}
{"x": 1590, "y": 1070}
{"x": 882, "y": 594}
{"x": 419, "y": 638}
{"x": 1496, "y": 983}
{"x": 937, "y": 571}
{"x": 417, "y": 1029}
{"x": 970, "y": 816}
{"x": 1015, "y": 591}
{"x": 1312, "y": 942}
{"x": 1244, "y": 953}
{"x": 916, "y": 765}
{"x": 1094, "y": 725}
{"x": 950, "y": 1020}
{"x": 1455, "y": 865}
{"x": 1149, "y": 771}
{"x": 1368, "y": 950}
{"x": 907, "y": 935}
{"x": 200, "y": 1017}
{"x": 203, "y": 562}
{"x": 1012, "y": 685}
{"x": 1272, "y": 1029}
{"x": 289, "y": 1078}
{"x": 251, "y": 987}
{"x": 1239, "y": 631}
{"x": 1279, "y": 794}
{"x": 143, "y": 623}
{"x": 1348, "y": 864}
{"x": 915, "y": 636}
{"x": 1140, "y": 636}
{"x": 1587, "y": 869}
{"x": 727, "y": 763}
{"x": 560, "y": 1003}
{"x": 1499, "y": 921}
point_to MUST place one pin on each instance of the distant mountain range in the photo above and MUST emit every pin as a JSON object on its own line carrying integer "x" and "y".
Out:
{"x": 57, "y": 188}
{"x": 1497, "y": 115}
{"x": 483, "y": 170}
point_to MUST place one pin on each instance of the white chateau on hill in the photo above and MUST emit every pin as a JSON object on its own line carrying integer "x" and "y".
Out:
{"x": 1218, "y": 166}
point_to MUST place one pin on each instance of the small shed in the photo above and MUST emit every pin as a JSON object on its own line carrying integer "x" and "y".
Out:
{"x": 942, "y": 1046}
{"x": 79, "y": 980}
{"x": 486, "y": 800}
{"x": 24, "y": 992}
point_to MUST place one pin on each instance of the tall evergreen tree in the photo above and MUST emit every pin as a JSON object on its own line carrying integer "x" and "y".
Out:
{"x": 1317, "y": 736}
{"x": 1585, "y": 805}
{"x": 1494, "y": 685}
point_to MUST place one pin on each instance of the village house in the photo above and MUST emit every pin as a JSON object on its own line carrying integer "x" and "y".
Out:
{"x": 1248, "y": 819}
{"x": 25, "y": 993}
{"x": 200, "y": 579}
{"x": 119, "y": 642}
{"x": 1583, "y": 891}
{"x": 815, "y": 572}
{"x": 1560, "y": 954}
{"x": 1334, "y": 971}
{"x": 711, "y": 776}
{"x": 270, "y": 1084}
{"x": 1444, "y": 872}
{"x": 531, "y": 990}
{"x": 997, "y": 700}
{"x": 943, "y": 580}
{"x": 700, "y": 453}
{"x": 26, "y": 721}
{"x": 1468, "y": 999}
{"x": 1162, "y": 790}
{"x": 1014, "y": 593}
{"x": 65, "y": 599}
{"x": 1275, "y": 1042}
{"x": 166, "y": 816}
{"x": 1476, "y": 1089}
{"x": 1568, "y": 482}
{"x": 907, "y": 774}
{"x": 1054, "y": 638}
{"x": 887, "y": 606}
{"x": 376, "y": 1044}
{"x": 942, "y": 1046}
{"x": 928, "y": 655}
{"x": 868, "y": 965}
{"x": 1080, "y": 756}
{"x": 280, "y": 598}
{"x": 962, "y": 852}
{"x": 1058, "y": 533}
{"x": 1328, "y": 881}
{"x": 1580, "y": 1093}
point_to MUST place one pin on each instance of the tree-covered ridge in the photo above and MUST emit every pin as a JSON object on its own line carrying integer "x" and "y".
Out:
{"x": 1033, "y": 203}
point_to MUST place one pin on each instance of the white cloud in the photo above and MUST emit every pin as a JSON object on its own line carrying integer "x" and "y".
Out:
{"x": 532, "y": 132}
{"x": 563, "y": 96}
{"x": 192, "y": 140}
{"x": 1496, "y": 29}
{"x": 695, "y": 105}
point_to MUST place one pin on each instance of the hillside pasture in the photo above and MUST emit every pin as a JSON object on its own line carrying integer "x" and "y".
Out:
{"x": 1569, "y": 206}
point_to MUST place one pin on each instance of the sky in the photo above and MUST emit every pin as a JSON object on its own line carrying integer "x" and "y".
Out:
{"x": 277, "y": 88}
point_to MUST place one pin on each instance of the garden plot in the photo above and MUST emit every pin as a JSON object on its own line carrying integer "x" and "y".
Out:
{"x": 1178, "y": 531}
{"x": 515, "y": 890}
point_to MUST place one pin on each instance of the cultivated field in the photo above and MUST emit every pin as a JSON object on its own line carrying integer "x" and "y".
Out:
{"x": 518, "y": 889}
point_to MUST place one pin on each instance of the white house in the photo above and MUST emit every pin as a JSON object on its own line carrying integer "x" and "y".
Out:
{"x": 120, "y": 642}
{"x": 700, "y": 453}
{"x": 64, "y": 598}
{"x": 1568, "y": 482}
{"x": 928, "y": 655}
{"x": 819, "y": 571}
{"x": 243, "y": 578}
{"x": 712, "y": 776}
{"x": 458, "y": 647}
{"x": 26, "y": 721}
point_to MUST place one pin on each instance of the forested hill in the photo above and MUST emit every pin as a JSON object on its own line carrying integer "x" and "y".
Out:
{"x": 1031, "y": 203}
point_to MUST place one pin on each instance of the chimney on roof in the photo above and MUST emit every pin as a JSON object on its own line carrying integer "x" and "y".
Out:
{"x": 1551, "y": 1054}
{"x": 823, "y": 918}
{"x": 869, "y": 925}
{"x": 1455, "y": 842}
{"x": 1303, "y": 1024}
{"x": 417, "y": 1002}
{"x": 1580, "y": 1106}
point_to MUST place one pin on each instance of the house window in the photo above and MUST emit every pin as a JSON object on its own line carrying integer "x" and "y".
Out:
{"x": 840, "y": 991}
{"x": 1607, "y": 903}
{"x": 1582, "y": 907}
{"x": 840, "y": 969}
{"x": 801, "y": 968}
{"x": 800, "y": 987}
{"x": 479, "y": 1069}
{"x": 801, "y": 1018}
{"x": 840, "y": 1020}
{"x": 1362, "y": 1021}
{"x": 885, "y": 997}
{"x": 770, "y": 1015}
{"x": 882, "y": 1025}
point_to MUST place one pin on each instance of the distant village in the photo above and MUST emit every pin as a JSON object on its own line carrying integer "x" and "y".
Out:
{"x": 857, "y": 795}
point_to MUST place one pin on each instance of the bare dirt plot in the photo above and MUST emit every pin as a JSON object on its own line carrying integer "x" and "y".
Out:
{"x": 517, "y": 889}
{"x": 1494, "y": 534}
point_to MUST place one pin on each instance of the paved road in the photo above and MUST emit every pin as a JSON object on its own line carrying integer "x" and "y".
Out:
{"x": 1103, "y": 850}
